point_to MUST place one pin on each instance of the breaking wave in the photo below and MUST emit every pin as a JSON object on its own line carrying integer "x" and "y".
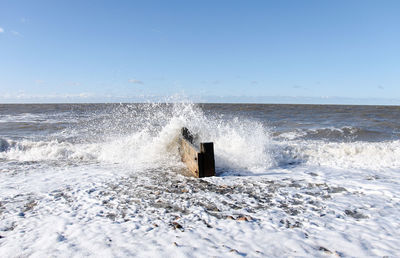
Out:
{"x": 359, "y": 155}
{"x": 145, "y": 136}
{"x": 346, "y": 133}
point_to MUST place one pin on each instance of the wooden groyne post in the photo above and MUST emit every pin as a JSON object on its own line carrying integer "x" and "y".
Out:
{"x": 200, "y": 161}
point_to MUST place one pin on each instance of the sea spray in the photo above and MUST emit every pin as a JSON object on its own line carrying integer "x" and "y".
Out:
{"x": 241, "y": 145}
{"x": 145, "y": 136}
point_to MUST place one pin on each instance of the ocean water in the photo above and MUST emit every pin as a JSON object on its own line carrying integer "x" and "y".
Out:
{"x": 106, "y": 179}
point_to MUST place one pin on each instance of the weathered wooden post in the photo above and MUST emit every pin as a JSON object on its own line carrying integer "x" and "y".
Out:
{"x": 201, "y": 163}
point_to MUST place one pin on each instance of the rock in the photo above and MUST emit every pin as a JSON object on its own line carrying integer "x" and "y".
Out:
{"x": 176, "y": 225}
{"x": 60, "y": 238}
{"x": 355, "y": 214}
{"x": 321, "y": 248}
{"x": 244, "y": 218}
{"x": 208, "y": 225}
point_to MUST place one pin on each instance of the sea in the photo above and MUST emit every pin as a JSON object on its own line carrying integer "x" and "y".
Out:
{"x": 106, "y": 180}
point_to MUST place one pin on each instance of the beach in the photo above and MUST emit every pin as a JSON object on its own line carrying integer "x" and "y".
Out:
{"x": 107, "y": 180}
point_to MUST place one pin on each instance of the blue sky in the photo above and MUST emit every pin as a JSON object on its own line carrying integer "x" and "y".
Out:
{"x": 218, "y": 51}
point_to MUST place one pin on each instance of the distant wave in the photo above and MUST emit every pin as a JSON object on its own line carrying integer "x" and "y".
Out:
{"x": 346, "y": 133}
{"x": 361, "y": 155}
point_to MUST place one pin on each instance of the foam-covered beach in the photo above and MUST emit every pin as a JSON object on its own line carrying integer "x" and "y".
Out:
{"x": 106, "y": 180}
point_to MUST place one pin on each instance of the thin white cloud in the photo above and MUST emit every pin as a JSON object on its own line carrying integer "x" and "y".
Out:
{"x": 25, "y": 96}
{"x": 84, "y": 95}
{"x": 1, "y": 30}
{"x": 136, "y": 81}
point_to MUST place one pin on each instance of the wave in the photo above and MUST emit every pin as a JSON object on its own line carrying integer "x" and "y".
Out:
{"x": 345, "y": 133}
{"x": 27, "y": 150}
{"x": 358, "y": 155}
{"x": 4, "y": 145}
{"x": 146, "y": 137}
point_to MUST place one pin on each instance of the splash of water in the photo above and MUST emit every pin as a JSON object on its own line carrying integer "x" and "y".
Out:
{"x": 146, "y": 136}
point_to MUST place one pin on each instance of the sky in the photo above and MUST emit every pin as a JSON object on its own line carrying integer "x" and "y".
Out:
{"x": 208, "y": 51}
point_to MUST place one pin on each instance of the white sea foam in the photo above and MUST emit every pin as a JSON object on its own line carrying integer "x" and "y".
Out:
{"x": 112, "y": 194}
{"x": 27, "y": 150}
{"x": 243, "y": 149}
{"x": 292, "y": 135}
{"x": 362, "y": 155}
